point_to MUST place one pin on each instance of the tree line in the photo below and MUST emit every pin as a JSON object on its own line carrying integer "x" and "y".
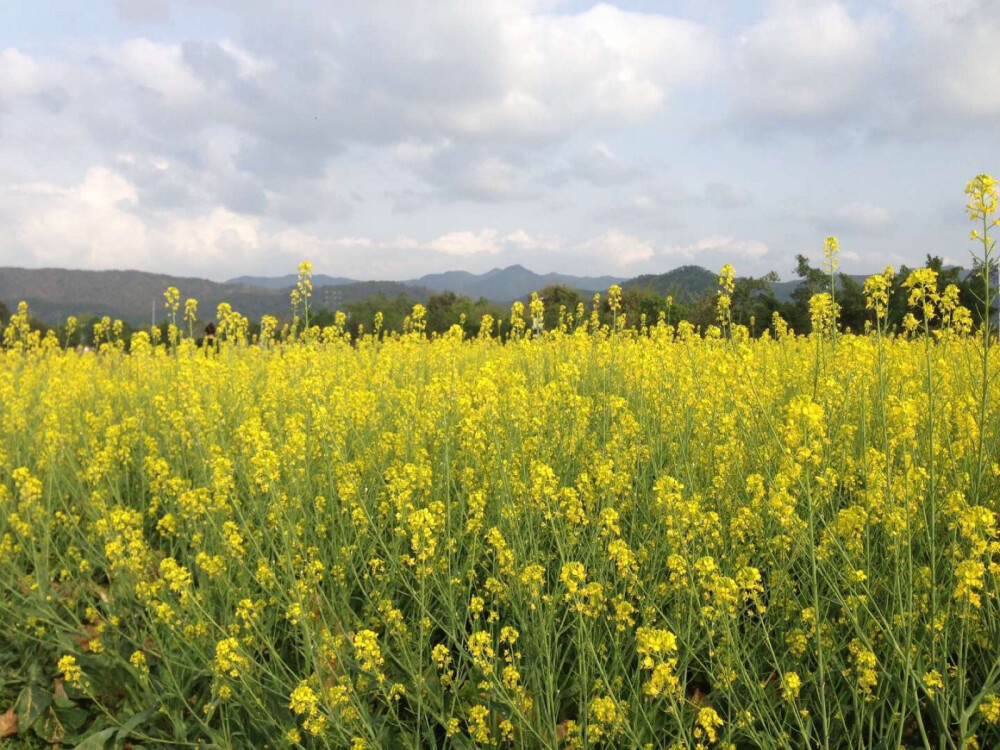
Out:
{"x": 753, "y": 305}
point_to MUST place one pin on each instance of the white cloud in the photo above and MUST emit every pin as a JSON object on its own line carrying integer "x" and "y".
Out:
{"x": 467, "y": 243}
{"x": 462, "y": 171}
{"x": 154, "y": 68}
{"x": 862, "y": 216}
{"x": 472, "y": 92}
{"x": 97, "y": 224}
{"x": 617, "y": 247}
{"x": 324, "y": 131}
{"x": 807, "y": 62}
{"x": 403, "y": 242}
{"x": 90, "y": 223}
{"x": 356, "y": 242}
{"x": 217, "y": 238}
{"x": 657, "y": 205}
{"x": 494, "y": 177}
{"x": 856, "y": 217}
{"x": 601, "y": 166}
{"x": 525, "y": 241}
{"x": 951, "y": 58}
{"x": 612, "y": 64}
{"x": 719, "y": 245}
{"x": 20, "y": 74}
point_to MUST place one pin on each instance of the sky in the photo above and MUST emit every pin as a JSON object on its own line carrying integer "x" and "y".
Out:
{"x": 387, "y": 139}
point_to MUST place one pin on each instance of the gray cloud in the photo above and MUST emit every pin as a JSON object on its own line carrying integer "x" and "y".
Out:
{"x": 602, "y": 167}
{"x": 146, "y": 11}
{"x": 724, "y": 195}
{"x": 857, "y": 218}
{"x": 432, "y": 119}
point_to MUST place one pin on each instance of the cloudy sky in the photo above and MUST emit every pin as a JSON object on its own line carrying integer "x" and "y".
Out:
{"x": 392, "y": 138}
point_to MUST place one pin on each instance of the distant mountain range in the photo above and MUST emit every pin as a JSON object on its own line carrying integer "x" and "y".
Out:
{"x": 53, "y": 294}
{"x": 498, "y": 285}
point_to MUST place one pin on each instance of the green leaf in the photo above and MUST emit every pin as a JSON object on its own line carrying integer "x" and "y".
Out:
{"x": 72, "y": 716}
{"x": 35, "y": 673}
{"x": 98, "y": 740}
{"x": 50, "y": 728}
{"x": 134, "y": 721}
{"x": 32, "y": 701}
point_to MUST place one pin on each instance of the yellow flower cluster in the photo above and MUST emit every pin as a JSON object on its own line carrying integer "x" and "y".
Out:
{"x": 574, "y": 538}
{"x": 657, "y": 649}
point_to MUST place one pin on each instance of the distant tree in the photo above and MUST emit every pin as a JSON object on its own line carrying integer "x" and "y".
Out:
{"x": 393, "y": 309}
{"x": 322, "y": 317}
{"x": 814, "y": 281}
{"x": 849, "y": 293}
{"x": 899, "y": 294}
{"x": 443, "y": 311}
{"x": 753, "y": 301}
{"x": 971, "y": 292}
{"x": 851, "y": 299}
{"x": 643, "y": 303}
{"x": 946, "y": 276}
{"x": 447, "y": 309}
{"x": 4, "y": 312}
{"x": 555, "y": 296}
{"x": 702, "y": 312}
{"x": 752, "y": 304}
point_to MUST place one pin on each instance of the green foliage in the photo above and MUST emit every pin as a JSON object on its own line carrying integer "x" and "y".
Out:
{"x": 685, "y": 284}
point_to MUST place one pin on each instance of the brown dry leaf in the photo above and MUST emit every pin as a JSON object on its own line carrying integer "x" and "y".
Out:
{"x": 58, "y": 689}
{"x": 84, "y": 643}
{"x": 316, "y": 607}
{"x": 561, "y": 729}
{"x": 8, "y": 723}
{"x": 331, "y": 679}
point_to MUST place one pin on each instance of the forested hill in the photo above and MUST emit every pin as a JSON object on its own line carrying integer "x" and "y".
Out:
{"x": 53, "y": 294}
{"x": 684, "y": 284}
{"x": 500, "y": 285}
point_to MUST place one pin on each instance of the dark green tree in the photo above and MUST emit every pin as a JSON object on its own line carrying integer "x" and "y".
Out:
{"x": 555, "y": 296}
{"x": 753, "y": 302}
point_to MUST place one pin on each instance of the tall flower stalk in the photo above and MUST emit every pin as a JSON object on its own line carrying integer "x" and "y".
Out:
{"x": 982, "y": 208}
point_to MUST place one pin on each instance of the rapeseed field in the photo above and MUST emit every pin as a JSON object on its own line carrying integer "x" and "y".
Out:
{"x": 590, "y": 536}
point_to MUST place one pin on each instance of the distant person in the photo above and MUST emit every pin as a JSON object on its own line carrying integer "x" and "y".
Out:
{"x": 209, "y": 334}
